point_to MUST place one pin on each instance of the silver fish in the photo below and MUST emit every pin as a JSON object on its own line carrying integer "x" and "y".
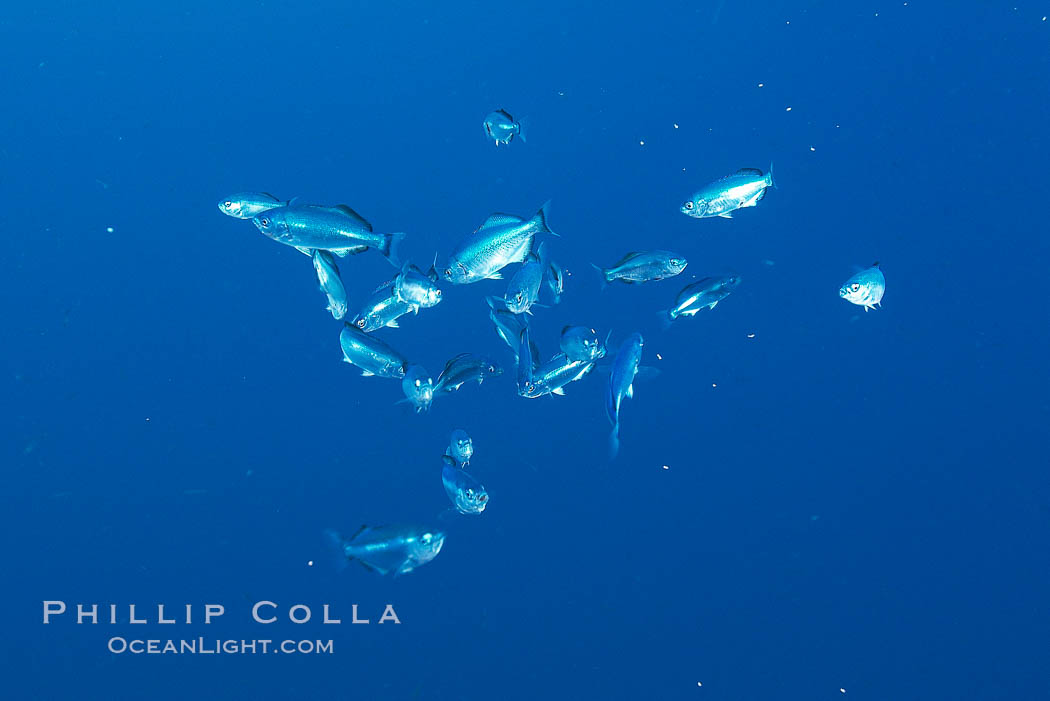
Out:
{"x": 581, "y": 343}
{"x": 331, "y": 283}
{"x": 621, "y": 384}
{"x": 467, "y": 494}
{"x": 866, "y": 288}
{"x": 418, "y": 388}
{"x": 502, "y": 128}
{"x": 370, "y": 354}
{"x": 338, "y": 229}
{"x": 509, "y": 327}
{"x": 460, "y": 448}
{"x": 413, "y": 287}
{"x": 644, "y": 266}
{"x": 702, "y": 294}
{"x": 385, "y": 549}
{"x": 466, "y": 367}
{"x": 550, "y": 377}
{"x": 524, "y": 288}
{"x": 382, "y": 308}
{"x": 743, "y": 188}
{"x": 246, "y": 205}
{"x": 503, "y": 239}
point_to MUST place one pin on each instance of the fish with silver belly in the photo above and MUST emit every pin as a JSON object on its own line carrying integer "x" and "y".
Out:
{"x": 396, "y": 549}
{"x": 702, "y": 294}
{"x": 643, "y": 266}
{"x": 246, "y": 205}
{"x": 550, "y": 377}
{"x": 743, "y": 188}
{"x": 524, "y": 288}
{"x": 460, "y": 447}
{"x": 502, "y": 128}
{"x": 581, "y": 343}
{"x": 413, "y": 287}
{"x": 503, "y": 239}
{"x": 382, "y": 308}
{"x": 866, "y": 288}
{"x": 331, "y": 283}
{"x": 370, "y": 354}
{"x": 418, "y": 388}
{"x": 466, "y": 493}
{"x": 465, "y": 367}
{"x": 338, "y": 229}
{"x": 621, "y": 384}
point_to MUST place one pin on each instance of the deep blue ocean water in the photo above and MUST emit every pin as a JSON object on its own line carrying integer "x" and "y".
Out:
{"x": 853, "y": 501}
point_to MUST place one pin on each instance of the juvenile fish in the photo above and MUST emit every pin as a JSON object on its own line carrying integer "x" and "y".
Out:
{"x": 385, "y": 549}
{"x": 338, "y": 229}
{"x": 743, "y": 188}
{"x": 644, "y": 266}
{"x": 866, "y": 288}
{"x": 702, "y": 294}
{"x": 418, "y": 388}
{"x": 382, "y": 308}
{"x": 503, "y": 239}
{"x": 466, "y": 367}
{"x": 581, "y": 343}
{"x": 414, "y": 288}
{"x": 331, "y": 283}
{"x": 621, "y": 384}
{"x": 370, "y": 354}
{"x": 460, "y": 448}
{"x": 502, "y": 128}
{"x": 246, "y": 205}
{"x": 524, "y": 288}
{"x": 467, "y": 494}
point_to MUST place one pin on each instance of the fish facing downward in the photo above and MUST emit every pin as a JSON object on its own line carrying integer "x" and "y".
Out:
{"x": 466, "y": 493}
{"x": 330, "y": 282}
{"x": 460, "y": 447}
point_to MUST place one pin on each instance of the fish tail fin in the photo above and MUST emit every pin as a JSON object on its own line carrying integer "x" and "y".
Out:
{"x": 523, "y": 126}
{"x": 603, "y": 273}
{"x": 389, "y": 250}
{"x": 665, "y": 318}
{"x": 614, "y": 441}
{"x": 336, "y": 549}
{"x": 540, "y": 220}
{"x": 769, "y": 177}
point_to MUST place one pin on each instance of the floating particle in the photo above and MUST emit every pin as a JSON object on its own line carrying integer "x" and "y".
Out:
{"x": 659, "y": 357}
{"x": 675, "y": 126}
{"x": 761, "y": 85}
{"x": 842, "y": 690}
{"x": 768, "y": 261}
{"x": 812, "y": 149}
{"x": 714, "y": 384}
{"x": 641, "y": 143}
{"x": 788, "y": 109}
{"x": 310, "y": 563}
{"x": 109, "y": 229}
{"x": 751, "y": 335}
{"x": 666, "y": 467}
{"x": 699, "y": 683}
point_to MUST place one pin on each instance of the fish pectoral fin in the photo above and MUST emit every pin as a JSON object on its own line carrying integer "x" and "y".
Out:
{"x": 713, "y": 304}
{"x": 630, "y": 390}
{"x": 392, "y": 324}
{"x": 558, "y": 391}
{"x": 727, "y": 215}
{"x": 370, "y": 567}
{"x": 495, "y": 276}
{"x": 305, "y": 251}
{"x": 366, "y": 373}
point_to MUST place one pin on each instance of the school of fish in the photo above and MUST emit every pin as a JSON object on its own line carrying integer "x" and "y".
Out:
{"x": 328, "y": 232}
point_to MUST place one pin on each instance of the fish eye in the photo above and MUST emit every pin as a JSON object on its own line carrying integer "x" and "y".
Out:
{"x": 483, "y": 498}
{"x": 448, "y": 271}
{"x": 855, "y": 286}
{"x": 688, "y": 205}
{"x": 227, "y": 204}
{"x": 264, "y": 221}
{"x": 360, "y": 323}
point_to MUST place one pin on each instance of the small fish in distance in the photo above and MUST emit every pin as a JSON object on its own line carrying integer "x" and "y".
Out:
{"x": 502, "y": 128}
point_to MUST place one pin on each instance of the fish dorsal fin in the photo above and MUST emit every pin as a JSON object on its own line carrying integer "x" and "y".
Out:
{"x": 381, "y": 287}
{"x": 270, "y": 196}
{"x": 626, "y": 257}
{"x": 505, "y": 113}
{"x": 749, "y": 171}
{"x": 875, "y": 264}
{"x": 359, "y": 531}
{"x": 499, "y": 219}
{"x": 564, "y": 329}
{"x": 345, "y": 210}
